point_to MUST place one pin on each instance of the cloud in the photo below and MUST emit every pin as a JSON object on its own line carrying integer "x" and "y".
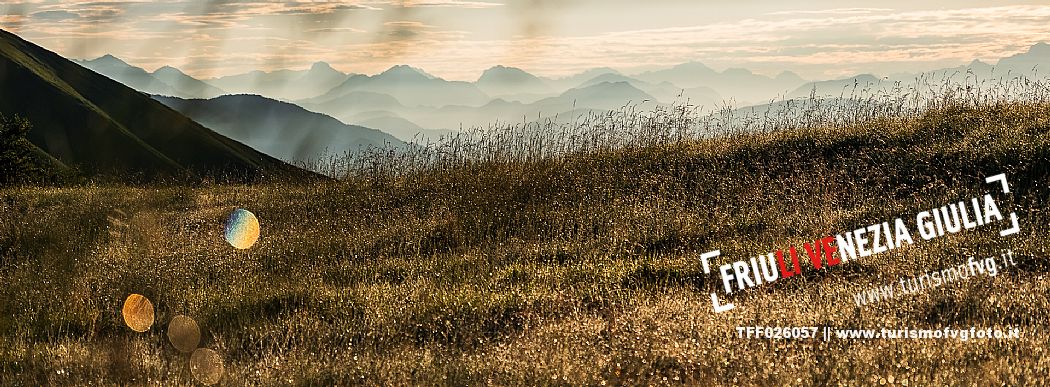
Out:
{"x": 335, "y": 30}
{"x": 89, "y": 11}
{"x": 405, "y": 30}
{"x": 832, "y": 11}
{"x": 456, "y": 38}
{"x": 255, "y": 8}
{"x": 57, "y": 15}
{"x": 12, "y": 22}
{"x": 244, "y": 8}
{"x": 446, "y": 3}
{"x": 854, "y": 37}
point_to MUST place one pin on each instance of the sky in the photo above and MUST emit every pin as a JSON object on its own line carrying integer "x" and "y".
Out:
{"x": 458, "y": 39}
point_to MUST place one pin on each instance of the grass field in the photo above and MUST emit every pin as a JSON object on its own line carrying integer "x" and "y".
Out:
{"x": 579, "y": 269}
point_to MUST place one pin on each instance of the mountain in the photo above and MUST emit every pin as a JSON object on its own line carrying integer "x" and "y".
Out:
{"x": 279, "y": 129}
{"x": 690, "y": 74}
{"x": 185, "y": 85}
{"x": 398, "y": 127}
{"x": 600, "y": 97}
{"x": 575, "y": 80}
{"x": 166, "y": 80}
{"x": 376, "y": 110}
{"x": 845, "y": 87}
{"x": 604, "y": 95}
{"x": 401, "y": 128}
{"x": 131, "y": 76}
{"x": 99, "y": 125}
{"x": 613, "y": 77}
{"x": 1025, "y": 64}
{"x": 501, "y": 80}
{"x": 1038, "y": 55}
{"x": 663, "y": 92}
{"x": 739, "y": 84}
{"x": 355, "y": 102}
{"x": 789, "y": 78}
{"x": 458, "y": 116}
{"x": 412, "y": 87}
{"x": 357, "y": 107}
{"x": 286, "y": 85}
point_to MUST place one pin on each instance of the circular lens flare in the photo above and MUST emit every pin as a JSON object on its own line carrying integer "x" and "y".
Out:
{"x": 184, "y": 333}
{"x": 242, "y": 229}
{"x": 206, "y": 366}
{"x": 138, "y": 313}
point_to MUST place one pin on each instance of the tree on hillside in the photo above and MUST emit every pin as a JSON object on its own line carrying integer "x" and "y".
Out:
{"x": 17, "y": 164}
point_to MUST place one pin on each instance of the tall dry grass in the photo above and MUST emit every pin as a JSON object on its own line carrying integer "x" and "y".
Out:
{"x": 549, "y": 253}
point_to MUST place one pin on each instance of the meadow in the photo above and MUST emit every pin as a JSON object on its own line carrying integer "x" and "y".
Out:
{"x": 541, "y": 254}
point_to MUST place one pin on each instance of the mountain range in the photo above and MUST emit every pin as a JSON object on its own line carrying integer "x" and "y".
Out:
{"x": 84, "y": 120}
{"x": 1025, "y": 64}
{"x": 410, "y": 86}
{"x": 502, "y": 81}
{"x": 359, "y": 106}
{"x": 288, "y": 85}
{"x": 411, "y": 104}
{"x": 166, "y": 121}
{"x": 739, "y": 84}
{"x": 164, "y": 81}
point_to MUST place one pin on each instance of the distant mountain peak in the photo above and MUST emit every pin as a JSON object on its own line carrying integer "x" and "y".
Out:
{"x": 606, "y": 95}
{"x": 736, "y": 71}
{"x": 321, "y": 65}
{"x": 609, "y": 77}
{"x": 324, "y": 72}
{"x": 505, "y": 80}
{"x": 505, "y": 73}
{"x": 789, "y": 77}
{"x": 693, "y": 66}
{"x": 608, "y": 87}
{"x": 403, "y": 67}
{"x": 502, "y": 68}
{"x": 1041, "y": 48}
{"x": 405, "y": 71}
{"x": 601, "y": 70}
{"x": 108, "y": 59}
{"x": 168, "y": 69}
{"x": 585, "y": 75}
{"x": 1036, "y": 55}
{"x": 617, "y": 84}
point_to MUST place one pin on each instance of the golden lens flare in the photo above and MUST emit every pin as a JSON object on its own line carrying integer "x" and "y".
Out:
{"x": 184, "y": 334}
{"x": 206, "y": 366}
{"x": 242, "y": 229}
{"x": 138, "y": 313}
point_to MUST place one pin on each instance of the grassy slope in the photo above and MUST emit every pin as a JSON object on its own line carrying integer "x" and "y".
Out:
{"x": 580, "y": 271}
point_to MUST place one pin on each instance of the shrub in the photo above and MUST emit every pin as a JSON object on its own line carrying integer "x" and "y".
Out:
{"x": 18, "y": 164}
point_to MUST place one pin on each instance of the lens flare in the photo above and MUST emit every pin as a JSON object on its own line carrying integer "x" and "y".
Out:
{"x": 138, "y": 313}
{"x": 242, "y": 229}
{"x": 184, "y": 334}
{"x": 206, "y": 366}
